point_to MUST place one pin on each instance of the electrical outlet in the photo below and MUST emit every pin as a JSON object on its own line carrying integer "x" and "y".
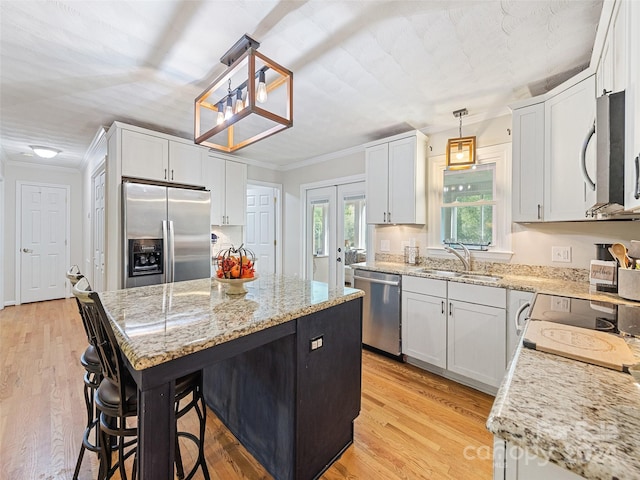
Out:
{"x": 560, "y": 304}
{"x": 561, "y": 254}
{"x": 385, "y": 245}
{"x": 316, "y": 343}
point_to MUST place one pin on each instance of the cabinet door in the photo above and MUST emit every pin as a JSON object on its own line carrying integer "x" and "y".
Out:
{"x": 185, "y": 163}
{"x": 235, "y": 193}
{"x": 632, "y": 109}
{"x": 523, "y": 465}
{"x": 528, "y": 163}
{"x": 213, "y": 172}
{"x": 476, "y": 341}
{"x": 404, "y": 182}
{"x": 424, "y": 328}
{"x": 144, "y": 156}
{"x": 377, "y": 174}
{"x": 568, "y": 118}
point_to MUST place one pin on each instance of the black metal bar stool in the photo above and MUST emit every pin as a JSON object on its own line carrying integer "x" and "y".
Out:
{"x": 116, "y": 397}
{"x": 92, "y": 378}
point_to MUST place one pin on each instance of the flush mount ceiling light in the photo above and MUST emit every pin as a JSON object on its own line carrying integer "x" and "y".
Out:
{"x": 461, "y": 151}
{"x": 250, "y": 101}
{"x": 44, "y": 152}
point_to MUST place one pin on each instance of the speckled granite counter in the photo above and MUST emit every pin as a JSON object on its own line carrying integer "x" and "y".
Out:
{"x": 582, "y": 417}
{"x": 158, "y": 323}
{"x": 518, "y": 277}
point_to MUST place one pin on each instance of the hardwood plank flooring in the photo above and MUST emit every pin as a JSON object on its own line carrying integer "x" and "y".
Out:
{"x": 412, "y": 425}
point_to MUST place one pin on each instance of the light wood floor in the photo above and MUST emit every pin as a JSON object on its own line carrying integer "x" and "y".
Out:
{"x": 412, "y": 425}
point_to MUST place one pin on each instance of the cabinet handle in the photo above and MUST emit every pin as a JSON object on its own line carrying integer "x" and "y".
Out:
{"x": 450, "y": 308}
{"x": 442, "y": 307}
{"x": 384, "y": 217}
{"x": 539, "y": 212}
{"x": 172, "y": 174}
{"x": 165, "y": 173}
{"x": 389, "y": 217}
{"x": 637, "y": 186}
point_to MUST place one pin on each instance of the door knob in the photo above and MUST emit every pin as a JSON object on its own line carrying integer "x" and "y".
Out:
{"x": 339, "y": 259}
{"x": 27, "y": 250}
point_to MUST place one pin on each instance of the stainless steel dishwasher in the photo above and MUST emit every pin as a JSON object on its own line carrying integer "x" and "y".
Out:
{"x": 380, "y": 310}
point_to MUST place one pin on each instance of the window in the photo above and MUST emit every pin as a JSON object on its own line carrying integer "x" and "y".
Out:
{"x": 475, "y": 208}
{"x": 468, "y": 204}
{"x": 355, "y": 224}
{"x": 320, "y": 227}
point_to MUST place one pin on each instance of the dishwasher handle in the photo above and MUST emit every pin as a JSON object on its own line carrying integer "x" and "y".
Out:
{"x": 375, "y": 280}
{"x": 516, "y": 317}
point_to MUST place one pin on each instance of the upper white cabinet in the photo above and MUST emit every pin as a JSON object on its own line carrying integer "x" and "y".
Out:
{"x": 611, "y": 74}
{"x": 568, "y": 118}
{"x": 227, "y": 181}
{"x": 528, "y": 163}
{"x": 396, "y": 178}
{"x": 154, "y": 157}
{"x": 548, "y": 135}
{"x": 632, "y": 109}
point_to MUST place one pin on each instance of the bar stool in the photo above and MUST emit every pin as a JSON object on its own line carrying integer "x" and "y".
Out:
{"x": 116, "y": 397}
{"x": 92, "y": 378}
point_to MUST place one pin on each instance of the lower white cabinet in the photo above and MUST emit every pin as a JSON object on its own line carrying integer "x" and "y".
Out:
{"x": 424, "y": 328}
{"x": 476, "y": 345}
{"x": 514, "y": 463}
{"x": 458, "y": 327}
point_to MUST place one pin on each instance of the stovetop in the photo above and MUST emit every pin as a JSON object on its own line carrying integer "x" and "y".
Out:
{"x": 594, "y": 315}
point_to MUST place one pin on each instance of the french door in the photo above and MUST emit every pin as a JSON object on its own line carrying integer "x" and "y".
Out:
{"x": 335, "y": 231}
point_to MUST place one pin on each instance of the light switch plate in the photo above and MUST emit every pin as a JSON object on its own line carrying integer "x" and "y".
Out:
{"x": 561, "y": 254}
{"x": 385, "y": 245}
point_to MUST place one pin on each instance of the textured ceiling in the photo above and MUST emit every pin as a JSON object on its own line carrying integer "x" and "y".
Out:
{"x": 362, "y": 69}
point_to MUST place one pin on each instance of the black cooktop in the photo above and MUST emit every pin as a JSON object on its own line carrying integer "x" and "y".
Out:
{"x": 594, "y": 315}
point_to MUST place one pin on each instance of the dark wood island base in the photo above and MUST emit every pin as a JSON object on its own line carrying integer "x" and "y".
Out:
{"x": 292, "y": 402}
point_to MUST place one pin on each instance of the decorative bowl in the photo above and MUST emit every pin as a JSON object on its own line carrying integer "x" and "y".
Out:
{"x": 236, "y": 285}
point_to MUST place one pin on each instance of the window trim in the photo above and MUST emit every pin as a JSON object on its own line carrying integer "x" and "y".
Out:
{"x": 501, "y": 249}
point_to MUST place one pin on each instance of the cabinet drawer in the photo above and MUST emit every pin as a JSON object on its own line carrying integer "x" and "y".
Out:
{"x": 479, "y": 294}
{"x": 426, "y": 286}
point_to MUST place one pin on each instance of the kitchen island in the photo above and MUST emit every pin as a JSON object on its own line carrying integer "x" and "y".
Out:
{"x": 281, "y": 366}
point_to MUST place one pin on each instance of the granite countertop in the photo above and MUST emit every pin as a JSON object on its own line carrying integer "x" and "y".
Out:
{"x": 158, "y": 323}
{"x": 582, "y": 417}
{"x": 519, "y": 277}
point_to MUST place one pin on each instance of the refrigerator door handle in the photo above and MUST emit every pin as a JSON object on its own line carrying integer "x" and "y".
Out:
{"x": 165, "y": 249}
{"x": 172, "y": 251}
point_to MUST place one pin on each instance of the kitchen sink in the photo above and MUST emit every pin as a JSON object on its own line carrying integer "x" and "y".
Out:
{"x": 480, "y": 276}
{"x": 442, "y": 273}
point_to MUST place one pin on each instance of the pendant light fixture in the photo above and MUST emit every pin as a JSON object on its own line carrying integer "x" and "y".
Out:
{"x": 224, "y": 121}
{"x": 461, "y": 151}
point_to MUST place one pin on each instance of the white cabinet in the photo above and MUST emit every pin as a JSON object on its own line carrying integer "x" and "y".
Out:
{"x": 458, "y": 327}
{"x": 396, "y": 178}
{"x": 569, "y": 116}
{"x": 154, "y": 157}
{"x": 548, "y": 135}
{"x": 632, "y": 109}
{"x": 476, "y": 332}
{"x": 514, "y": 463}
{"x": 528, "y": 162}
{"x": 424, "y": 320}
{"x": 611, "y": 73}
{"x": 227, "y": 181}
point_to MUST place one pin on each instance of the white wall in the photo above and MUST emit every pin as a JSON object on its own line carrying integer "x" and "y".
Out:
{"x": 15, "y": 172}
{"x": 344, "y": 165}
{"x": 2, "y": 227}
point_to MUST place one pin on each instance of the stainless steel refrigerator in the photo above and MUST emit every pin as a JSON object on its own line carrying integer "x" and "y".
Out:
{"x": 166, "y": 234}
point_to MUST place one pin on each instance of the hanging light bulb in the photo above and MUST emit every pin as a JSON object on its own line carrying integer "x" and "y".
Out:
{"x": 460, "y": 153}
{"x": 228, "y": 110}
{"x": 261, "y": 94}
{"x": 220, "y": 117}
{"x": 239, "y": 105}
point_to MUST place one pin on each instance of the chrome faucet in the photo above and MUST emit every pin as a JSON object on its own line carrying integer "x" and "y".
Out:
{"x": 466, "y": 260}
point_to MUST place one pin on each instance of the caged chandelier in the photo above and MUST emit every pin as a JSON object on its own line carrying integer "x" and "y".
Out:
{"x": 250, "y": 101}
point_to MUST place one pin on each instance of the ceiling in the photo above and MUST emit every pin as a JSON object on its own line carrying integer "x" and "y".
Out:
{"x": 363, "y": 70}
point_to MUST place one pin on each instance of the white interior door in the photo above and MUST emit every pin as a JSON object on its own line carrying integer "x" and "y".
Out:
{"x": 42, "y": 243}
{"x": 260, "y": 235}
{"x": 336, "y": 231}
{"x": 98, "y": 231}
